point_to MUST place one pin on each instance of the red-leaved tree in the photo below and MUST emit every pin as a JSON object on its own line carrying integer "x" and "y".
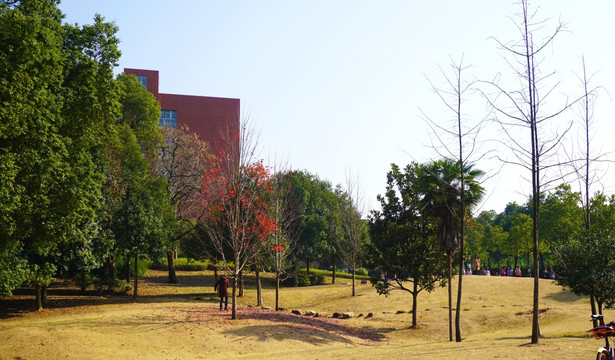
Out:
{"x": 236, "y": 189}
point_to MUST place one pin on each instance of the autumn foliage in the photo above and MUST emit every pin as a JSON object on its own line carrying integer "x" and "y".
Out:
{"x": 235, "y": 193}
{"x": 237, "y": 202}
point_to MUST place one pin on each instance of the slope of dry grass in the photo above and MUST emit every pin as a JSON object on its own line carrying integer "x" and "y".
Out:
{"x": 183, "y": 322}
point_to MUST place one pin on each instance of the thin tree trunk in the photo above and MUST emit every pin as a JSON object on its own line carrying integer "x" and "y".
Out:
{"x": 353, "y": 281}
{"x": 277, "y": 292}
{"x": 415, "y": 293}
{"x": 458, "y": 308}
{"x": 241, "y": 283}
{"x": 234, "y": 300}
{"x": 259, "y": 292}
{"x": 134, "y": 295}
{"x": 39, "y": 297}
{"x": 83, "y": 284}
{"x": 215, "y": 267}
{"x": 593, "y": 304}
{"x": 295, "y": 273}
{"x": 171, "y": 266}
{"x": 462, "y": 216}
{"x": 307, "y": 266}
{"x": 450, "y": 297}
{"x": 334, "y": 268}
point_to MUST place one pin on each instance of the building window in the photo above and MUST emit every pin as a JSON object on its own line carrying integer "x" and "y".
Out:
{"x": 168, "y": 118}
{"x": 142, "y": 80}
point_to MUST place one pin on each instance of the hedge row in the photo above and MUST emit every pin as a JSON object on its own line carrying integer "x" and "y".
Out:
{"x": 182, "y": 264}
{"x": 340, "y": 274}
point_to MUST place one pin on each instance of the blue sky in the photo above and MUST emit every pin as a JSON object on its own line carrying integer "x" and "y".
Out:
{"x": 338, "y": 85}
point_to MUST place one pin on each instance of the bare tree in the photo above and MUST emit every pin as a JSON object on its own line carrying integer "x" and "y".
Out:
{"x": 182, "y": 160}
{"x": 520, "y": 110}
{"x": 456, "y": 139}
{"x": 583, "y": 161}
{"x": 351, "y": 207}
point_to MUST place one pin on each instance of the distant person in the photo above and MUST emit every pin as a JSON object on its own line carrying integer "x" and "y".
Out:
{"x": 476, "y": 265}
{"x": 509, "y": 271}
{"x": 528, "y": 271}
{"x": 518, "y": 271}
{"x": 503, "y": 271}
{"x": 221, "y": 288}
{"x": 487, "y": 271}
{"x": 551, "y": 274}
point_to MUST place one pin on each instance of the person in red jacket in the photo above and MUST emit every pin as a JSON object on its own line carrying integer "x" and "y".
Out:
{"x": 222, "y": 288}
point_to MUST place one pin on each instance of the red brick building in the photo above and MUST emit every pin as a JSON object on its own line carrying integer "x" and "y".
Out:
{"x": 204, "y": 115}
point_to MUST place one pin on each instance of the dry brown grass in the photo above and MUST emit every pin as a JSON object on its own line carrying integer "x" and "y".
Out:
{"x": 183, "y": 322}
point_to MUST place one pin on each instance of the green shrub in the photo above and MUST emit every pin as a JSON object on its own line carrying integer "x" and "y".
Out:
{"x": 303, "y": 279}
{"x": 361, "y": 271}
{"x": 317, "y": 279}
{"x": 143, "y": 266}
{"x": 121, "y": 287}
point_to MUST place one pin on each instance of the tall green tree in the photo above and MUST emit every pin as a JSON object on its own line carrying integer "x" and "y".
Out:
{"x": 402, "y": 249}
{"x": 316, "y": 215}
{"x": 33, "y": 153}
{"x": 90, "y": 108}
{"x": 144, "y": 217}
{"x": 56, "y": 102}
{"x": 586, "y": 261}
{"x": 145, "y": 202}
{"x": 141, "y": 112}
{"x": 561, "y": 217}
{"x": 519, "y": 241}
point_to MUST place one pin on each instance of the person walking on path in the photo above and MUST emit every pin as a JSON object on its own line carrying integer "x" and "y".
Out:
{"x": 222, "y": 288}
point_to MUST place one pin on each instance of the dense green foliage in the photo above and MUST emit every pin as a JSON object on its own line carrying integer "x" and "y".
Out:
{"x": 587, "y": 262}
{"x": 402, "y": 249}
{"x": 75, "y": 185}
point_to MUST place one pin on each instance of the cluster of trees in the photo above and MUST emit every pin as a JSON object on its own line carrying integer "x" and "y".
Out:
{"x": 78, "y": 185}
{"x": 90, "y": 184}
{"x": 417, "y": 231}
{"x": 253, "y": 219}
{"x": 578, "y": 249}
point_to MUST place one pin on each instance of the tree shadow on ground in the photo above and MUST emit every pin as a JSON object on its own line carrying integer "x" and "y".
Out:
{"x": 304, "y": 328}
{"x": 564, "y": 296}
{"x": 280, "y": 332}
{"x": 65, "y": 294}
{"x": 18, "y": 306}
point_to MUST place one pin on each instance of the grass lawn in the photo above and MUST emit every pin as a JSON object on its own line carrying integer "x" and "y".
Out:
{"x": 182, "y": 321}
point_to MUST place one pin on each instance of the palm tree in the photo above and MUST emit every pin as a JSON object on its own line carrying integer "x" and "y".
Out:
{"x": 449, "y": 190}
